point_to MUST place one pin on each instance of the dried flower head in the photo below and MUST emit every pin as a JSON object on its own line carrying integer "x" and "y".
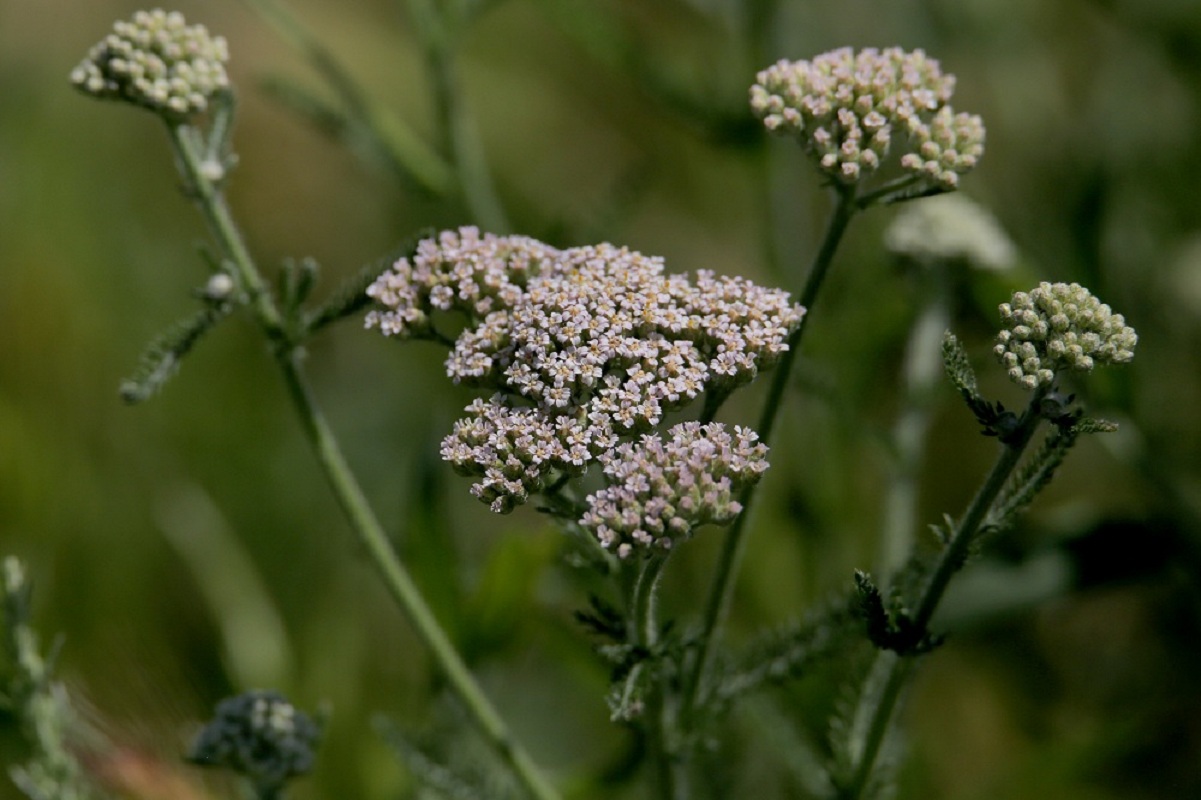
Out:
{"x": 260, "y": 735}
{"x": 157, "y": 61}
{"x": 849, "y": 110}
{"x": 1060, "y": 326}
{"x": 658, "y": 493}
{"x": 952, "y": 229}
{"x": 579, "y": 346}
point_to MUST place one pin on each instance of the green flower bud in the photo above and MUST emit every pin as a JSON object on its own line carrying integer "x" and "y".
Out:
{"x": 1057, "y": 327}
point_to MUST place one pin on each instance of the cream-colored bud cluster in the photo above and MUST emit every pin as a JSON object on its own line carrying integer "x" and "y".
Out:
{"x": 158, "y": 61}
{"x": 850, "y": 110}
{"x": 1056, "y": 327}
{"x": 659, "y": 492}
{"x": 579, "y": 347}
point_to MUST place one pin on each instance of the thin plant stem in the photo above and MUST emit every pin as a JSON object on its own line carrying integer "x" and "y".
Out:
{"x": 735, "y": 541}
{"x": 439, "y": 27}
{"x": 366, "y": 526}
{"x": 922, "y": 371}
{"x": 646, "y": 632}
{"x": 953, "y": 556}
{"x": 400, "y": 145}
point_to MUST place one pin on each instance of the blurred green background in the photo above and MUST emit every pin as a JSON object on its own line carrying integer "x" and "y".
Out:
{"x": 188, "y": 548}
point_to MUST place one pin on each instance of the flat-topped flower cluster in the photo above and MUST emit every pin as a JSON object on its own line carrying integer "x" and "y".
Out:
{"x": 659, "y": 492}
{"x": 580, "y": 347}
{"x": 158, "y": 61}
{"x": 849, "y": 110}
{"x": 1056, "y": 327}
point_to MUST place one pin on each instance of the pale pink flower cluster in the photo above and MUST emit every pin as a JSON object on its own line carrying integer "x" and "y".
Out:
{"x": 658, "y": 492}
{"x": 849, "y": 110}
{"x": 580, "y": 347}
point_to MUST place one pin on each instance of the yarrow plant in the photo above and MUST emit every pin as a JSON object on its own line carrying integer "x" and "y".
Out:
{"x": 581, "y": 347}
{"x": 600, "y": 377}
{"x": 261, "y": 736}
{"x": 850, "y": 110}
{"x": 1060, "y": 327}
{"x": 659, "y": 492}
{"x": 157, "y": 61}
{"x": 950, "y": 230}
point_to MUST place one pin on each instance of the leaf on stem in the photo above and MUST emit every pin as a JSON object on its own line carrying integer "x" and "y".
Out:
{"x": 455, "y": 781}
{"x": 993, "y": 418}
{"x": 890, "y": 629}
{"x": 362, "y": 124}
{"x": 37, "y": 702}
{"x": 959, "y": 367}
{"x": 161, "y": 359}
{"x": 789, "y": 652}
{"x": 296, "y": 281}
{"x": 351, "y": 296}
{"x": 1037, "y": 473}
{"x": 851, "y": 728}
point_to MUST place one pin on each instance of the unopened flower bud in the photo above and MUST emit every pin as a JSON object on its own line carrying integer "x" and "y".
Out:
{"x": 1057, "y": 327}
{"x": 157, "y": 61}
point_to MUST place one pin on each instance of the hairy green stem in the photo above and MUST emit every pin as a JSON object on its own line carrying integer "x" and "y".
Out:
{"x": 735, "y": 541}
{"x": 374, "y": 540}
{"x": 645, "y": 625}
{"x": 953, "y": 556}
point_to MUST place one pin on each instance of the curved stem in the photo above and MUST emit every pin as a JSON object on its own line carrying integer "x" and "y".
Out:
{"x": 735, "y": 542}
{"x": 949, "y": 562}
{"x": 374, "y": 540}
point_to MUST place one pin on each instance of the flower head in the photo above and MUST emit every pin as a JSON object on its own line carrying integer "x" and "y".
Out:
{"x": 953, "y": 229}
{"x": 157, "y": 61}
{"x": 260, "y": 735}
{"x": 1056, "y": 327}
{"x": 849, "y": 110}
{"x": 658, "y": 492}
{"x": 579, "y": 347}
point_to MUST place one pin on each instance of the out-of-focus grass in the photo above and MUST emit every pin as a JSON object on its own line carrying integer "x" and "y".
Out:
{"x": 1092, "y": 164}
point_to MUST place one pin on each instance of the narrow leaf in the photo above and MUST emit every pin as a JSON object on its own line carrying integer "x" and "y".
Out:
{"x": 161, "y": 359}
{"x": 351, "y": 297}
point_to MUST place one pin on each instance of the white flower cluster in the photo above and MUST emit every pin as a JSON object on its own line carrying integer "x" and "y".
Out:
{"x": 1060, "y": 326}
{"x": 849, "y": 110}
{"x": 659, "y": 492}
{"x": 158, "y": 61}
{"x": 950, "y": 229}
{"x": 580, "y": 346}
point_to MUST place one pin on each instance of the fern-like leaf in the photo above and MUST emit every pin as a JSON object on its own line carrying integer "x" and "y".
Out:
{"x": 1093, "y": 425}
{"x": 993, "y": 418}
{"x": 787, "y": 653}
{"x": 351, "y": 297}
{"x": 1030, "y": 479}
{"x": 445, "y": 779}
{"x": 161, "y": 359}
